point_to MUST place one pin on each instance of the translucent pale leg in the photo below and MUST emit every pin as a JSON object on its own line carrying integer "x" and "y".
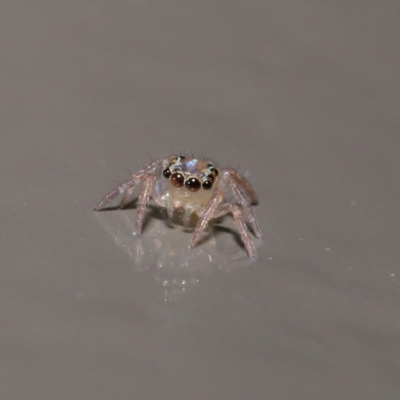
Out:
{"x": 251, "y": 219}
{"x": 245, "y": 184}
{"x": 244, "y": 199}
{"x": 142, "y": 202}
{"x": 128, "y": 186}
{"x": 241, "y": 211}
{"x": 243, "y": 231}
{"x": 127, "y": 197}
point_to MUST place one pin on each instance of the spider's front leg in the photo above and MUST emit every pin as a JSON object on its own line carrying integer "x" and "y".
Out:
{"x": 127, "y": 188}
{"x": 142, "y": 202}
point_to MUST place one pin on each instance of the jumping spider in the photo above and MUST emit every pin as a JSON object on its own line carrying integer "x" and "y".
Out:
{"x": 193, "y": 186}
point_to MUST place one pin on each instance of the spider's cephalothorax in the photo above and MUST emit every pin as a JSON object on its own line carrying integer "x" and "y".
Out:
{"x": 196, "y": 187}
{"x": 193, "y": 174}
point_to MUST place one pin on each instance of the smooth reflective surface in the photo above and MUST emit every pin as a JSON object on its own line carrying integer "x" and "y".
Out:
{"x": 163, "y": 250}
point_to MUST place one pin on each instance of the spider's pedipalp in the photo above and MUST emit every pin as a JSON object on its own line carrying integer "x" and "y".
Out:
{"x": 212, "y": 207}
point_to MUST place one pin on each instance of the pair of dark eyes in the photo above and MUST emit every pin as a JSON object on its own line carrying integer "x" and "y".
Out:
{"x": 193, "y": 184}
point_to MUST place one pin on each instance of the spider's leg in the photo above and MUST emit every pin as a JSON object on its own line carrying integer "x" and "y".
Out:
{"x": 243, "y": 231}
{"x": 128, "y": 185}
{"x": 143, "y": 199}
{"x": 245, "y": 185}
{"x": 245, "y": 202}
{"x": 208, "y": 214}
{"x": 127, "y": 197}
{"x": 252, "y": 220}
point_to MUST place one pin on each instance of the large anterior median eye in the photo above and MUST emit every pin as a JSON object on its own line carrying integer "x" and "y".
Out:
{"x": 177, "y": 179}
{"x": 193, "y": 184}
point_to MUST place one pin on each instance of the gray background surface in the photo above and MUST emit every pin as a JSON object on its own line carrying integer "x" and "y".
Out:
{"x": 303, "y": 96}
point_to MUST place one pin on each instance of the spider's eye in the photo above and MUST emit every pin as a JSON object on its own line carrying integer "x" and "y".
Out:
{"x": 212, "y": 169}
{"x": 193, "y": 184}
{"x": 167, "y": 173}
{"x": 207, "y": 184}
{"x": 177, "y": 179}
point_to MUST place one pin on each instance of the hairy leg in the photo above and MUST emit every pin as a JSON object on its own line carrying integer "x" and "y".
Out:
{"x": 127, "y": 197}
{"x": 252, "y": 220}
{"x": 245, "y": 202}
{"x": 241, "y": 211}
{"x": 142, "y": 202}
{"x": 130, "y": 184}
{"x": 243, "y": 231}
{"x": 245, "y": 184}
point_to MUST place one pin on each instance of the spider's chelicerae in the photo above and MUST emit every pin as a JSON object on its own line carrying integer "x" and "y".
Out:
{"x": 194, "y": 186}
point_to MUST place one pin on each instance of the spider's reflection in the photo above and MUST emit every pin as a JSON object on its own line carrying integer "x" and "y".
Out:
{"x": 164, "y": 250}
